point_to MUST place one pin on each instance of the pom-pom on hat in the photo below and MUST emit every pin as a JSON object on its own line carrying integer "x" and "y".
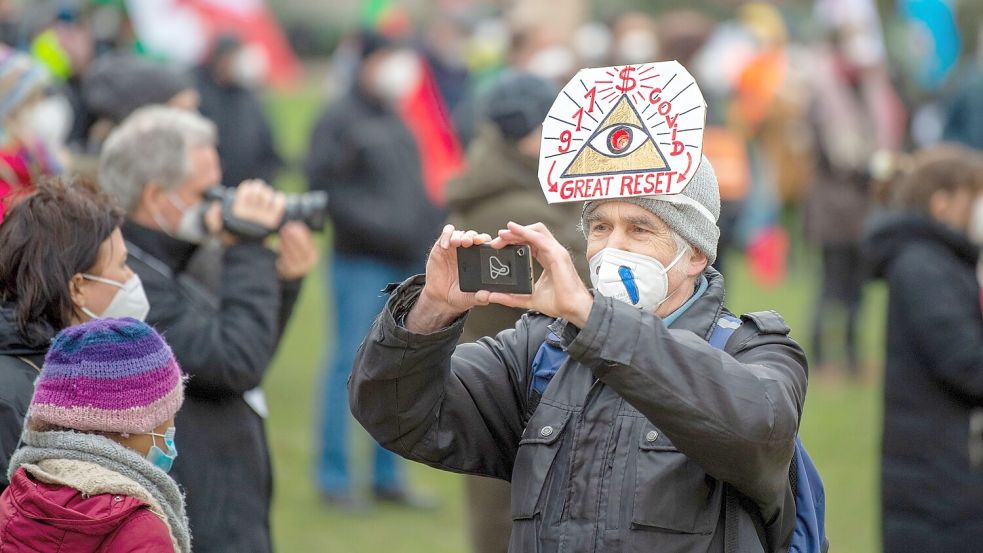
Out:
{"x": 108, "y": 375}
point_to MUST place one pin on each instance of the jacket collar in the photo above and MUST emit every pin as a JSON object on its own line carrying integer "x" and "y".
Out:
{"x": 702, "y": 315}
{"x": 173, "y": 253}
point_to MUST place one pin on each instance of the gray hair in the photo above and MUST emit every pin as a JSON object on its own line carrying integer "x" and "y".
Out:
{"x": 151, "y": 145}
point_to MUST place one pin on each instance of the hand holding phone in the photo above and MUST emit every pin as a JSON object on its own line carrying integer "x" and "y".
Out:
{"x": 508, "y": 269}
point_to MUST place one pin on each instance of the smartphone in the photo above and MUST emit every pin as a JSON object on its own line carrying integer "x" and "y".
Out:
{"x": 485, "y": 268}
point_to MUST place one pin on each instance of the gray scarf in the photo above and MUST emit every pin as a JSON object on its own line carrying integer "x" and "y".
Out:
{"x": 99, "y": 450}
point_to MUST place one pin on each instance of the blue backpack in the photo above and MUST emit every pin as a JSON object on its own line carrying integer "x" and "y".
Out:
{"x": 809, "y": 535}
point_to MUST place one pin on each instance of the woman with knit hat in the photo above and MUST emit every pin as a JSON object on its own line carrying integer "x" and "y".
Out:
{"x": 62, "y": 262}
{"x": 91, "y": 475}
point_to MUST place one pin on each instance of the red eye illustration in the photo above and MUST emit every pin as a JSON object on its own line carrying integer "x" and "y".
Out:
{"x": 618, "y": 140}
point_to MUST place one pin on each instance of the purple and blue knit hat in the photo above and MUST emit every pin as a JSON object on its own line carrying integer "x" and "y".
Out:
{"x": 108, "y": 375}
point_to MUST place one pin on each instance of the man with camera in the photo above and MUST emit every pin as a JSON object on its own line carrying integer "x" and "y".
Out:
{"x": 647, "y": 436}
{"x": 159, "y": 164}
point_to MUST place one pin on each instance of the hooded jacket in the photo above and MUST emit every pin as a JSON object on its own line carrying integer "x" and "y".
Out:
{"x": 931, "y": 486}
{"x": 17, "y": 375}
{"x": 37, "y": 516}
{"x": 636, "y": 439}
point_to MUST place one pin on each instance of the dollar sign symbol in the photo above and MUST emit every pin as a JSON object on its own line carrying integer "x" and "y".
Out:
{"x": 625, "y": 76}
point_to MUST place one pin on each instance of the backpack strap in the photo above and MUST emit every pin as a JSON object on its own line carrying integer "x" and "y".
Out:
{"x": 725, "y": 327}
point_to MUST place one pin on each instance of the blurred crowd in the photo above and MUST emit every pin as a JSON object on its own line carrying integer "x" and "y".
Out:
{"x": 137, "y": 186}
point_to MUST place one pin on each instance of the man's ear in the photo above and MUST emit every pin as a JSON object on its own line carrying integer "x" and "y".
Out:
{"x": 151, "y": 193}
{"x": 698, "y": 262}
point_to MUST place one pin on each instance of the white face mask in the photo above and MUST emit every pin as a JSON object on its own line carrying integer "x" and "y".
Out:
{"x": 50, "y": 120}
{"x": 249, "y": 67}
{"x": 396, "y": 76}
{"x": 633, "y": 278}
{"x": 190, "y": 228}
{"x": 130, "y": 300}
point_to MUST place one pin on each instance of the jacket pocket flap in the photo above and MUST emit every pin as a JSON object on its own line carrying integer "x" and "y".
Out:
{"x": 545, "y": 427}
{"x": 653, "y": 439}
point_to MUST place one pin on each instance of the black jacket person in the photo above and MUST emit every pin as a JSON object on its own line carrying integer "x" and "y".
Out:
{"x": 932, "y": 448}
{"x": 642, "y": 432}
{"x": 224, "y": 339}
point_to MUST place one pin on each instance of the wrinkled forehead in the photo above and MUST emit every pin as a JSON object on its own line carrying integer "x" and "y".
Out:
{"x": 620, "y": 211}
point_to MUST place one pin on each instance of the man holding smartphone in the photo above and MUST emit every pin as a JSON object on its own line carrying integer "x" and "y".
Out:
{"x": 646, "y": 437}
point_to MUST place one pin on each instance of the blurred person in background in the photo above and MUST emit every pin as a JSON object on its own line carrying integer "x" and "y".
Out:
{"x": 118, "y": 84}
{"x": 62, "y": 262}
{"x": 636, "y": 39}
{"x": 28, "y": 143}
{"x": 444, "y": 44}
{"x": 682, "y": 36}
{"x": 158, "y": 164}
{"x": 856, "y": 113}
{"x": 363, "y": 155}
{"x": 964, "y": 108}
{"x": 228, "y": 82}
{"x": 501, "y": 185}
{"x": 9, "y": 22}
{"x": 91, "y": 476}
{"x": 66, "y": 48}
{"x": 926, "y": 249}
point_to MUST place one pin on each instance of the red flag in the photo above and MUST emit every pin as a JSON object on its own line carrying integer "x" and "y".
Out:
{"x": 425, "y": 114}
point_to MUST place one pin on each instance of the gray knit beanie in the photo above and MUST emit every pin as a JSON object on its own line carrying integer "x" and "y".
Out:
{"x": 688, "y": 213}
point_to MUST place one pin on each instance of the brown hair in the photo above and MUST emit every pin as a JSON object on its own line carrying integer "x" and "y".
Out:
{"x": 48, "y": 236}
{"x": 946, "y": 167}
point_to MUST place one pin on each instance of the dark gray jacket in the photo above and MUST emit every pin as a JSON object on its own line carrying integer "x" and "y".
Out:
{"x": 224, "y": 341}
{"x": 933, "y": 384}
{"x": 636, "y": 441}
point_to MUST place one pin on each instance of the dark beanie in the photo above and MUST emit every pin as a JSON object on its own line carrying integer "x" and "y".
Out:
{"x": 119, "y": 84}
{"x": 518, "y": 103}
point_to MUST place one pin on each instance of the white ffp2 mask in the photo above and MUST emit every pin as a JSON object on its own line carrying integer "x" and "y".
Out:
{"x": 633, "y": 278}
{"x": 129, "y": 301}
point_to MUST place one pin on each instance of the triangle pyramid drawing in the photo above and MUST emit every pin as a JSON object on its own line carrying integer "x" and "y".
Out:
{"x": 592, "y": 161}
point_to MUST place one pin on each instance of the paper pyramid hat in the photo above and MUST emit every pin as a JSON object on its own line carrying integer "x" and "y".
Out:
{"x": 606, "y": 151}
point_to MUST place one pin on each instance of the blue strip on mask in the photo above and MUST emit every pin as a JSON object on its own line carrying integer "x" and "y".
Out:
{"x": 628, "y": 279}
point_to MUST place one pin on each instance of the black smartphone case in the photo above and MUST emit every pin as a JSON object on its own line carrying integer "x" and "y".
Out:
{"x": 485, "y": 268}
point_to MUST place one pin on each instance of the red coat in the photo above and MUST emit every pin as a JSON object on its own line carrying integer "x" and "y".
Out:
{"x": 35, "y": 516}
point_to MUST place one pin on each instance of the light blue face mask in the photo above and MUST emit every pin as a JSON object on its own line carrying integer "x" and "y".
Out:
{"x": 156, "y": 455}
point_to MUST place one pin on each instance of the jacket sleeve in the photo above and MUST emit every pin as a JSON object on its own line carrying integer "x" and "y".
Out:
{"x": 289, "y": 292}
{"x": 455, "y": 409}
{"x": 736, "y": 417}
{"x": 142, "y": 532}
{"x": 951, "y": 336}
{"x": 226, "y": 350}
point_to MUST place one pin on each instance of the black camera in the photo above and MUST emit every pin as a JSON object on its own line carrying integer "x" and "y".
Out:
{"x": 310, "y": 208}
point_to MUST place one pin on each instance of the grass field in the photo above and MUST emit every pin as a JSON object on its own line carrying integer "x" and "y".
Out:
{"x": 840, "y": 426}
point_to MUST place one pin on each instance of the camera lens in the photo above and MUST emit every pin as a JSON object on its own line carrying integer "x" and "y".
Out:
{"x": 310, "y": 208}
{"x": 521, "y": 252}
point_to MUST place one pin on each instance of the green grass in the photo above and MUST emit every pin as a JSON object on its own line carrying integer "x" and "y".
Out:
{"x": 840, "y": 426}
